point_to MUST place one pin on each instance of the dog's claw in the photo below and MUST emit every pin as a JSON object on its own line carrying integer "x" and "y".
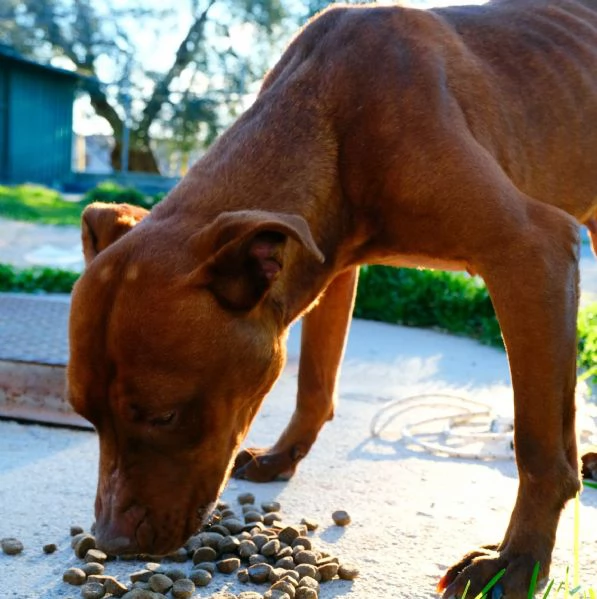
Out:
{"x": 262, "y": 465}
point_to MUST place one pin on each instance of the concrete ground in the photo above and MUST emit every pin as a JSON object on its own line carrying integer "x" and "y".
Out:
{"x": 413, "y": 512}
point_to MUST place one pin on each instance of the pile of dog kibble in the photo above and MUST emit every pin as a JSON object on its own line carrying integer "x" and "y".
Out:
{"x": 274, "y": 560}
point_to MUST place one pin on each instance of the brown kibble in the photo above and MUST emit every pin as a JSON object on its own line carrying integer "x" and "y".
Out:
{"x": 341, "y": 518}
{"x": 271, "y": 506}
{"x": 348, "y": 572}
{"x": 272, "y": 518}
{"x": 227, "y": 566}
{"x": 49, "y": 548}
{"x": 208, "y": 566}
{"x": 270, "y": 548}
{"x": 76, "y": 530}
{"x": 74, "y": 576}
{"x": 183, "y": 588}
{"x": 83, "y": 544}
{"x": 328, "y": 571}
{"x": 306, "y": 557}
{"x": 114, "y": 587}
{"x": 246, "y": 549}
{"x": 161, "y": 583}
{"x": 253, "y": 516}
{"x": 141, "y": 575}
{"x": 93, "y": 590}
{"x": 243, "y": 575}
{"x": 173, "y": 574}
{"x": 245, "y": 498}
{"x": 95, "y": 555}
{"x": 289, "y": 534}
{"x": 307, "y": 570}
{"x": 285, "y": 587}
{"x": 93, "y": 568}
{"x": 306, "y": 593}
{"x": 250, "y": 595}
{"x": 275, "y": 594}
{"x": 201, "y": 578}
{"x": 310, "y": 523}
{"x": 205, "y": 554}
{"x": 11, "y": 546}
{"x": 259, "y": 573}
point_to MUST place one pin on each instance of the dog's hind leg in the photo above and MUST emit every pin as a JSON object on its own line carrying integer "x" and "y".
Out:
{"x": 324, "y": 332}
{"x": 532, "y": 276}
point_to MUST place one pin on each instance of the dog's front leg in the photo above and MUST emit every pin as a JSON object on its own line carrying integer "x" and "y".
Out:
{"x": 533, "y": 282}
{"x": 323, "y": 340}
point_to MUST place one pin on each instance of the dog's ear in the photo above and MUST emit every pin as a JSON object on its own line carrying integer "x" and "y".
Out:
{"x": 102, "y": 224}
{"x": 243, "y": 254}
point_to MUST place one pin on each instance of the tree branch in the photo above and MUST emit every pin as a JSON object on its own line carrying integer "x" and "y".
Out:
{"x": 184, "y": 55}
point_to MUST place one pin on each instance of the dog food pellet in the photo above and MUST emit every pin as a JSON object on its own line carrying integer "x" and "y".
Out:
{"x": 93, "y": 590}
{"x": 93, "y": 568}
{"x": 76, "y": 530}
{"x": 253, "y": 516}
{"x": 285, "y": 587}
{"x": 74, "y": 576}
{"x": 271, "y": 548}
{"x": 257, "y": 558}
{"x": 11, "y": 546}
{"x": 139, "y": 594}
{"x": 227, "y": 566}
{"x": 306, "y": 593}
{"x": 205, "y": 554}
{"x": 307, "y": 570}
{"x": 49, "y": 548}
{"x": 160, "y": 583}
{"x": 288, "y": 534}
{"x": 95, "y": 555}
{"x": 233, "y": 525}
{"x": 259, "y": 573}
{"x": 306, "y": 557}
{"x": 208, "y": 566}
{"x": 271, "y": 518}
{"x": 183, "y": 588}
{"x": 310, "y": 523}
{"x": 245, "y": 498}
{"x": 200, "y": 578}
{"x": 285, "y": 562}
{"x": 141, "y": 575}
{"x": 341, "y": 518}
{"x": 242, "y": 575}
{"x": 327, "y": 571}
{"x": 273, "y": 594}
{"x": 246, "y": 549}
{"x": 250, "y": 595}
{"x": 348, "y": 572}
{"x": 173, "y": 574}
{"x": 309, "y": 581}
{"x": 304, "y": 541}
{"x": 286, "y": 552}
{"x": 271, "y": 506}
{"x": 83, "y": 544}
{"x": 114, "y": 587}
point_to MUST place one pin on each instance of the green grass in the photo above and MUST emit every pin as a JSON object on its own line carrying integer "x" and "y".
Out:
{"x": 38, "y": 204}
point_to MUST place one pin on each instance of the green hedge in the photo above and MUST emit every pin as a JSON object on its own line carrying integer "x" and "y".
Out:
{"x": 39, "y": 204}
{"x": 449, "y": 302}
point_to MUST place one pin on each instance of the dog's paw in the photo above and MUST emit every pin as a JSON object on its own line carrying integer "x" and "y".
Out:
{"x": 476, "y": 569}
{"x": 264, "y": 465}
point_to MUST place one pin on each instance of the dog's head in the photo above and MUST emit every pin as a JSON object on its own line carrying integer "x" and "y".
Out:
{"x": 176, "y": 336}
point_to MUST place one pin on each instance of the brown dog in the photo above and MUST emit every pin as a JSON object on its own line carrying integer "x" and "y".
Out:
{"x": 461, "y": 138}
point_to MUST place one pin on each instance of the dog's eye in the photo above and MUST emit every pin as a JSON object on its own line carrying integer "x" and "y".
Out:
{"x": 162, "y": 419}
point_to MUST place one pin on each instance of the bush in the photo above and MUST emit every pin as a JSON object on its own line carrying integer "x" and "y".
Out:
{"x": 110, "y": 192}
{"x": 36, "y": 279}
{"x": 451, "y": 302}
{"x": 587, "y": 342}
{"x": 39, "y": 204}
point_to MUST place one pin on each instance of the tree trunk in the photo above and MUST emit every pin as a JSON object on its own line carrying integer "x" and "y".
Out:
{"x": 141, "y": 159}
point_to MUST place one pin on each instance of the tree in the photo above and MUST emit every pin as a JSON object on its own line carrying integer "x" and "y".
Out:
{"x": 182, "y": 101}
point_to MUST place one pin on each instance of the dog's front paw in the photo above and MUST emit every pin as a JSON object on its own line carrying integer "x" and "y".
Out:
{"x": 476, "y": 570}
{"x": 265, "y": 465}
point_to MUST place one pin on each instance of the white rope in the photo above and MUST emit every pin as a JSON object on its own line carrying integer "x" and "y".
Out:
{"x": 469, "y": 413}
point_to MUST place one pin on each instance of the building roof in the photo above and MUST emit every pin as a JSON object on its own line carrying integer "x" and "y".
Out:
{"x": 9, "y": 53}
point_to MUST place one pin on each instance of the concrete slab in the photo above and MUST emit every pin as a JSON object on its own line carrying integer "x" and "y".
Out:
{"x": 413, "y": 513}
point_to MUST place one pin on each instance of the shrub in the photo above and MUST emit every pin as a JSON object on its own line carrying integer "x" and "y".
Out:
{"x": 587, "y": 342}
{"x": 451, "y": 302}
{"x": 39, "y": 204}
{"x": 36, "y": 279}
{"x": 110, "y": 192}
